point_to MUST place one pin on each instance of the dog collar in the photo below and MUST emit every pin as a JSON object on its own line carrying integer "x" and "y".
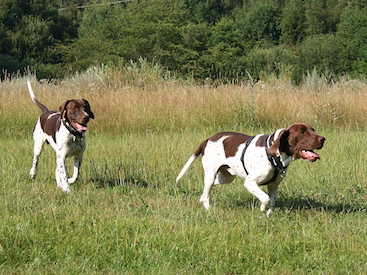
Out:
{"x": 274, "y": 160}
{"x": 71, "y": 129}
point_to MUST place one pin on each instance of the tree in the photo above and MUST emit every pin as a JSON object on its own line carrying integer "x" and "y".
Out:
{"x": 224, "y": 45}
{"x": 352, "y": 34}
{"x": 323, "y": 16}
{"x": 293, "y": 23}
{"x": 320, "y": 52}
{"x": 30, "y": 29}
{"x": 207, "y": 11}
{"x": 260, "y": 23}
{"x": 150, "y": 29}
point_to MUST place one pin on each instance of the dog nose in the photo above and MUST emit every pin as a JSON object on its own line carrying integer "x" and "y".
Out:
{"x": 85, "y": 118}
{"x": 321, "y": 139}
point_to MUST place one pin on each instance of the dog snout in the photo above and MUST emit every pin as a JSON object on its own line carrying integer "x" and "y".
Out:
{"x": 86, "y": 119}
{"x": 321, "y": 141}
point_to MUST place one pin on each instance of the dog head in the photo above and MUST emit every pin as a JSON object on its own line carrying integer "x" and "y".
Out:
{"x": 77, "y": 113}
{"x": 299, "y": 141}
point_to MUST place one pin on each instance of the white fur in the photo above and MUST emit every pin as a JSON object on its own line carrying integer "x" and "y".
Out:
{"x": 30, "y": 90}
{"x": 257, "y": 164}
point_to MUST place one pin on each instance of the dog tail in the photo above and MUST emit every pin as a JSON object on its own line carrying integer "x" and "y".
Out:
{"x": 34, "y": 99}
{"x": 191, "y": 160}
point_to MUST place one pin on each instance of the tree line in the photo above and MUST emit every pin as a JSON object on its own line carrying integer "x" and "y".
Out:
{"x": 229, "y": 39}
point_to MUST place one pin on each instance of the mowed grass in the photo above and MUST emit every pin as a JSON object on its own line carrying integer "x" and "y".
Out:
{"x": 126, "y": 215}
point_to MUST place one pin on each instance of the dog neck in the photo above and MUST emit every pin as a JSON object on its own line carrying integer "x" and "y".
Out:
{"x": 279, "y": 160}
{"x": 70, "y": 128}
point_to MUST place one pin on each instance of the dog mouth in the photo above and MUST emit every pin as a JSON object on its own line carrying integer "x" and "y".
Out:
{"x": 79, "y": 127}
{"x": 309, "y": 155}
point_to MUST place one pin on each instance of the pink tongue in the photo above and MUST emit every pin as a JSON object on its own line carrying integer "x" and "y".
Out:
{"x": 309, "y": 155}
{"x": 79, "y": 127}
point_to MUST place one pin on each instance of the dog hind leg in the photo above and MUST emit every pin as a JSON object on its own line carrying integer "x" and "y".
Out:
{"x": 37, "y": 150}
{"x": 209, "y": 178}
{"x": 224, "y": 176}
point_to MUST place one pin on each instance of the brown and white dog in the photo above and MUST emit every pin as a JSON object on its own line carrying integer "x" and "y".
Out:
{"x": 65, "y": 132}
{"x": 260, "y": 160}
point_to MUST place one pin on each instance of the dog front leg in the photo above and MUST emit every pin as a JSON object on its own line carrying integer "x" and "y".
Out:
{"x": 61, "y": 174}
{"x": 77, "y": 164}
{"x": 272, "y": 192}
{"x": 254, "y": 189}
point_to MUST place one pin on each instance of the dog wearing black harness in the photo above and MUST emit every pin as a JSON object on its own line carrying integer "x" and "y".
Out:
{"x": 260, "y": 160}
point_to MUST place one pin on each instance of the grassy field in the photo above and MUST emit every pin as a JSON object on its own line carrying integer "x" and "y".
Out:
{"x": 126, "y": 215}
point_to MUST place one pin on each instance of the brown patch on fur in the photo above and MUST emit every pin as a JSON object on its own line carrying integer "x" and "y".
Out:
{"x": 201, "y": 148}
{"x": 261, "y": 141}
{"x": 281, "y": 143}
{"x": 50, "y": 123}
{"x": 231, "y": 143}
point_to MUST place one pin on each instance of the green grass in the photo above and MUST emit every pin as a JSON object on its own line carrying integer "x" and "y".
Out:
{"x": 127, "y": 216}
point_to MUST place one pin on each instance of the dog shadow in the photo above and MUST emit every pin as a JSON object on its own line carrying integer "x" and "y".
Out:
{"x": 112, "y": 174}
{"x": 305, "y": 203}
{"x": 119, "y": 182}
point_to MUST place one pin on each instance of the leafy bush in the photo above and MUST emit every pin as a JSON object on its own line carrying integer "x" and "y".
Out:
{"x": 48, "y": 71}
{"x": 320, "y": 52}
{"x": 11, "y": 65}
{"x": 276, "y": 61}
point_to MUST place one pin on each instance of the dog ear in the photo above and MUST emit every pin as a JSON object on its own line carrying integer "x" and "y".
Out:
{"x": 281, "y": 143}
{"x": 62, "y": 108}
{"x": 87, "y": 109}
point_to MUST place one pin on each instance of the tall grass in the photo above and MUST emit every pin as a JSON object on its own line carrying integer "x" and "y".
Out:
{"x": 175, "y": 106}
{"x": 127, "y": 216}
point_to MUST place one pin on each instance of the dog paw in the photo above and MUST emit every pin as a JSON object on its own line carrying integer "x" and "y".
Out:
{"x": 32, "y": 174}
{"x": 71, "y": 180}
{"x": 263, "y": 207}
{"x": 66, "y": 190}
{"x": 264, "y": 204}
{"x": 268, "y": 213}
{"x": 205, "y": 204}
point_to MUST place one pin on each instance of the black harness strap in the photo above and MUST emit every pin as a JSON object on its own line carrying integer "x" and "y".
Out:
{"x": 275, "y": 162}
{"x": 273, "y": 159}
{"x": 71, "y": 129}
{"x": 243, "y": 153}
